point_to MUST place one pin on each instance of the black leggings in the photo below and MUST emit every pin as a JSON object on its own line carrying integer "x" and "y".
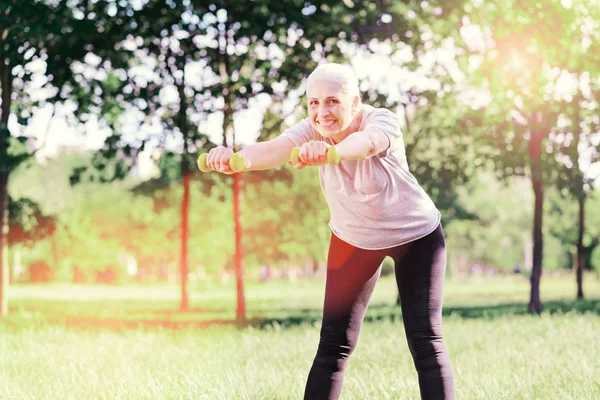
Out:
{"x": 351, "y": 277}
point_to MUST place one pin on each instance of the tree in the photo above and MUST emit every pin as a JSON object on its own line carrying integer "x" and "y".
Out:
{"x": 101, "y": 87}
{"x": 258, "y": 47}
{"x": 493, "y": 237}
{"x": 32, "y": 31}
{"x": 575, "y": 153}
{"x": 416, "y": 48}
{"x": 291, "y": 208}
{"x": 562, "y": 216}
{"x": 513, "y": 46}
{"x": 244, "y": 50}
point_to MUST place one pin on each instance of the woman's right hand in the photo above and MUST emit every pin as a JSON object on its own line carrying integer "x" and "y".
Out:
{"x": 218, "y": 160}
{"x": 314, "y": 154}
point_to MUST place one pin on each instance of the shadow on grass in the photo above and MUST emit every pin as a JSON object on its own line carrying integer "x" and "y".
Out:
{"x": 81, "y": 323}
{"x": 393, "y": 313}
{"x": 112, "y": 317}
{"x": 286, "y": 319}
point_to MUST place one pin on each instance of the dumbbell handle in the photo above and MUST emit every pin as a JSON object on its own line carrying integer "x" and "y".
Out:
{"x": 236, "y": 162}
{"x": 333, "y": 158}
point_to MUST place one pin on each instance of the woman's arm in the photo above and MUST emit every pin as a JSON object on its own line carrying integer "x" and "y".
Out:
{"x": 363, "y": 144}
{"x": 266, "y": 155}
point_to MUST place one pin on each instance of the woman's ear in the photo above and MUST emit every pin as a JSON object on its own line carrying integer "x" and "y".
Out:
{"x": 355, "y": 102}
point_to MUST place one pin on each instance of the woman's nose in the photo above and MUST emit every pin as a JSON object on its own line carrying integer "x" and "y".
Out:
{"x": 323, "y": 111}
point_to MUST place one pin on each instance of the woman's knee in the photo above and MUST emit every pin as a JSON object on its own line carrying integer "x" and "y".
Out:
{"x": 426, "y": 346}
{"x": 337, "y": 342}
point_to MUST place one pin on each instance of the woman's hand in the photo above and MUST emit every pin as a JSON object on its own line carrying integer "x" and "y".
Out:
{"x": 218, "y": 160}
{"x": 312, "y": 154}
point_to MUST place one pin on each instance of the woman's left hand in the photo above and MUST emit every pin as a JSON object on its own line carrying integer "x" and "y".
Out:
{"x": 312, "y": 154}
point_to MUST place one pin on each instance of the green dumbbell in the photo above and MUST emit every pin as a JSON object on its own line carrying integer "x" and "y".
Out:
{"x": 333, "y": 158}
{"x": 236, "y": 162}
{"x": 294, "y": 155}
{"x": 202, "y": 162}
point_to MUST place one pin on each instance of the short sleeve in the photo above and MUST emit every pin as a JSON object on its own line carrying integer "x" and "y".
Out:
{"x": 300, "y": 132}
{"x": 389, "y": 123}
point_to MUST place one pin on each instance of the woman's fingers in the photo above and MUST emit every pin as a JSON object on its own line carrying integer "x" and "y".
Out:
{"x": 323, "y": 156}
{"x": 303, "y": 155}
{"x": 313, "y": 153}
{"x": 213, "y": 154}
{"x": 224, "y": 161}
{"x": 218, "y": 159}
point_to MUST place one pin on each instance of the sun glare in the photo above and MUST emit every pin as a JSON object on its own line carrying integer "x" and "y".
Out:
{"x": 516, "y": 61}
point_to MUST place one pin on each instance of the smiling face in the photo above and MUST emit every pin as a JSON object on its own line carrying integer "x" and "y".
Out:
{"x": 330, "y": 108}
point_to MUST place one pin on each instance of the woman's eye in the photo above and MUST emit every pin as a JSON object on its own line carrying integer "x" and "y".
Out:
{"x": 332, "y": 101}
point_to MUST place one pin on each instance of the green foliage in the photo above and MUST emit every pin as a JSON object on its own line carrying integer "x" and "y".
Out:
{"x": 563, "y": 225}
{"x": 531, "y": 48}
{"x": 388, "y": 267}
{"x": 27, "y": 223}
{"x": 498, "y": 235}
{"x": 47, "y": 182}
{"x": 441, "y": 153}
{"x": 284, "y": 221}
{"x": 595, "y": 259}
{"x": 95, "y": 52}
{"x": 80, "y": 226}
{"x": 57, "y": 35}
{"x": 54, "y": 36}
{"x": 419, "y": 40}
{"x": 285, "y": 218}
{"x": 495, "y": 237}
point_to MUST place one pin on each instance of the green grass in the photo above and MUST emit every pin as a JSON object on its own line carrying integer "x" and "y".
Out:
{"x": 101, "y": 342}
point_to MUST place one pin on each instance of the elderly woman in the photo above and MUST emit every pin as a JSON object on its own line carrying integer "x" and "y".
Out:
{"x": 377, "y": 209}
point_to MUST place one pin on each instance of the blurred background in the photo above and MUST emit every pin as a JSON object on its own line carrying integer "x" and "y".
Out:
{"x": 106, "y": 105}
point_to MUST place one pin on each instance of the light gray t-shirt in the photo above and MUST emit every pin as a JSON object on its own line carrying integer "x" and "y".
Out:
{"x": 375, "y": 203}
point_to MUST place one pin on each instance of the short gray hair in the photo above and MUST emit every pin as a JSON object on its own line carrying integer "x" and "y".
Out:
{"x": 336, "y": 73}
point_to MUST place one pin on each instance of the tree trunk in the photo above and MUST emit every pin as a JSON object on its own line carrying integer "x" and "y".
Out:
{"x": 54, "y": 248}
{"x": 535, "y": 152}
{"x": 3, "y": 243}
{"x": 580, "y": 249}
{"x": 224, "y": 71}
{"x": 6, "y": 86}
{"x": 239, "y": 253}
{"x": 185, "y": 205}
{"x": 237, "y": 195}
{"x": 185, "y": 201}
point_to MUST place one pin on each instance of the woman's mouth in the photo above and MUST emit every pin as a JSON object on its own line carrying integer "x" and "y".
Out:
{"x": 326, "y": 124}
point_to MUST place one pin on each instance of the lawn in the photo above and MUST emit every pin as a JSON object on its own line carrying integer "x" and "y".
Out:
{"x": 102, "y": 342}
